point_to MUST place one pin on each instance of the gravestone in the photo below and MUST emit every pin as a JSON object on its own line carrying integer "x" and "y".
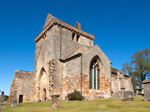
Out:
{"x": 55, "y": 101}
{"x": 128, "y": 94}
{"x": 14, "y": 102}
{"x": 123, "y": 95}
{"x": 66, "y": 99}
{"x": 118, "y": 95}
{"x": 2, "y": 97}
{"x": 146, "y": 90}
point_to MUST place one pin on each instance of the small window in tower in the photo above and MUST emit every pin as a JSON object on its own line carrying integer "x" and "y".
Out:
{"x": 73, "y": 36}
{"x": 78, "y": 36}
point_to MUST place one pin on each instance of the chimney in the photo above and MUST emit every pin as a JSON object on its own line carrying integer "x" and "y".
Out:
{"x": 78, "y": 25}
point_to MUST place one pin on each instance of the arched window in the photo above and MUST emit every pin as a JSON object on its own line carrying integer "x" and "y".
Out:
{"x": 94, "y": 74}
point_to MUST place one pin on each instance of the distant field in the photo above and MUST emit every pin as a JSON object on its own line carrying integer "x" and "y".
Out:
{"x": 99, "y": 105}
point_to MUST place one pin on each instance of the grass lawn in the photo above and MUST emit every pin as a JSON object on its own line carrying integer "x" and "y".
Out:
{"x": 99, "y": 105}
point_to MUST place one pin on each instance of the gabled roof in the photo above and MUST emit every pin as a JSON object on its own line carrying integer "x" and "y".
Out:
{"x": 114, "y": 70}
{"x": 146, "y": 81}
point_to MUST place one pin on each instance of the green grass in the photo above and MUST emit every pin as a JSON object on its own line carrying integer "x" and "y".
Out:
{"x": 99, "y": 105}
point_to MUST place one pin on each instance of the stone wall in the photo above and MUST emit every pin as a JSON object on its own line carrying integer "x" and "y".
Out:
{"x": 128, "y": 84}
{"x": 116, "y": 83}
{"x": 105, "y": 70}
{"x": 44, "y": 54}
{"x": 24, "y": 82}
{"x": 71, "y": 76}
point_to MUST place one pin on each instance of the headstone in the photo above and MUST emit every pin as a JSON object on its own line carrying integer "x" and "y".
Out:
{"x": 123, "y": 94}
{"x": 128, "y": 94}
{"x": 66, "y": 99}
{"x": 118, "y": 95}
{"x": 14, "y": 102}
{"x": 146, "y": 90}
{"x": 2, "y": 97}
{"x": 55, "y": 100}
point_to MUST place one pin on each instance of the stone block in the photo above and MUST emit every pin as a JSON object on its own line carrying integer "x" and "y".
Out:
{"x": 118, "y": 95}
{"x": 128, "y": 94}
{"x": 123, "y": 95}
{"x": 55, "y": 99}
{"x": 14, "y": 102}
{"x": 2, "y": 97}
{"x": 146, "y": 90}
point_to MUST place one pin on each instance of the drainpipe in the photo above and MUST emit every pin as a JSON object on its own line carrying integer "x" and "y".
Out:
{"x": 81, "y": 74}
{"x": 60, "y": 41}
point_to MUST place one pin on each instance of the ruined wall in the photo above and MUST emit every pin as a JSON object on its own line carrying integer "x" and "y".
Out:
{"x": 24, "y": 82}
{"x": 114, "y": 83}
{"x": 128, "y": 84}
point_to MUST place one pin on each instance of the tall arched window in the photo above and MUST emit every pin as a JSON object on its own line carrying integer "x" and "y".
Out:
{"x": 94, "y": 74}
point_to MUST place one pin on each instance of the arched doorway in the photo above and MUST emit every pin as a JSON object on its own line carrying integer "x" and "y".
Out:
{"x": 95, "y": 73}
{"x": 42, "y": 85}
{"x": 44, "y": 94}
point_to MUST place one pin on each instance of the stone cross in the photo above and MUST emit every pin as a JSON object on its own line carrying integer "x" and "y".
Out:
{"x": 14, "y": 102}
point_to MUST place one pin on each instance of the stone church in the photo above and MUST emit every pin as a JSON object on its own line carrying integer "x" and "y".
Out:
{"x": 67, "y": 60}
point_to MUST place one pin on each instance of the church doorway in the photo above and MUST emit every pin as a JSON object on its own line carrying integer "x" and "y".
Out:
{"x": 44, "y": 94}
{"x": 43, "y": 82}
{"x": 20, "y": 98}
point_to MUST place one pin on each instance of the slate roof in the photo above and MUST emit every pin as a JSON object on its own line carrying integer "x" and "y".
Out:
{"x": 114, "y": 71}
{"x": 146, "y": 81}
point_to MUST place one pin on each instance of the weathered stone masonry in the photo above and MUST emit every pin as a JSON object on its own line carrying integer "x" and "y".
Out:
{"x": 63, "y": 58}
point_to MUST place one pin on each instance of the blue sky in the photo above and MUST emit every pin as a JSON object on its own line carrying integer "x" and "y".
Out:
{"x": 121, "y": 27}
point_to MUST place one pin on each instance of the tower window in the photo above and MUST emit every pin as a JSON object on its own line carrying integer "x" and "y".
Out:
{"x": 78, "y": 36}
{"x": 73, "y": 36}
